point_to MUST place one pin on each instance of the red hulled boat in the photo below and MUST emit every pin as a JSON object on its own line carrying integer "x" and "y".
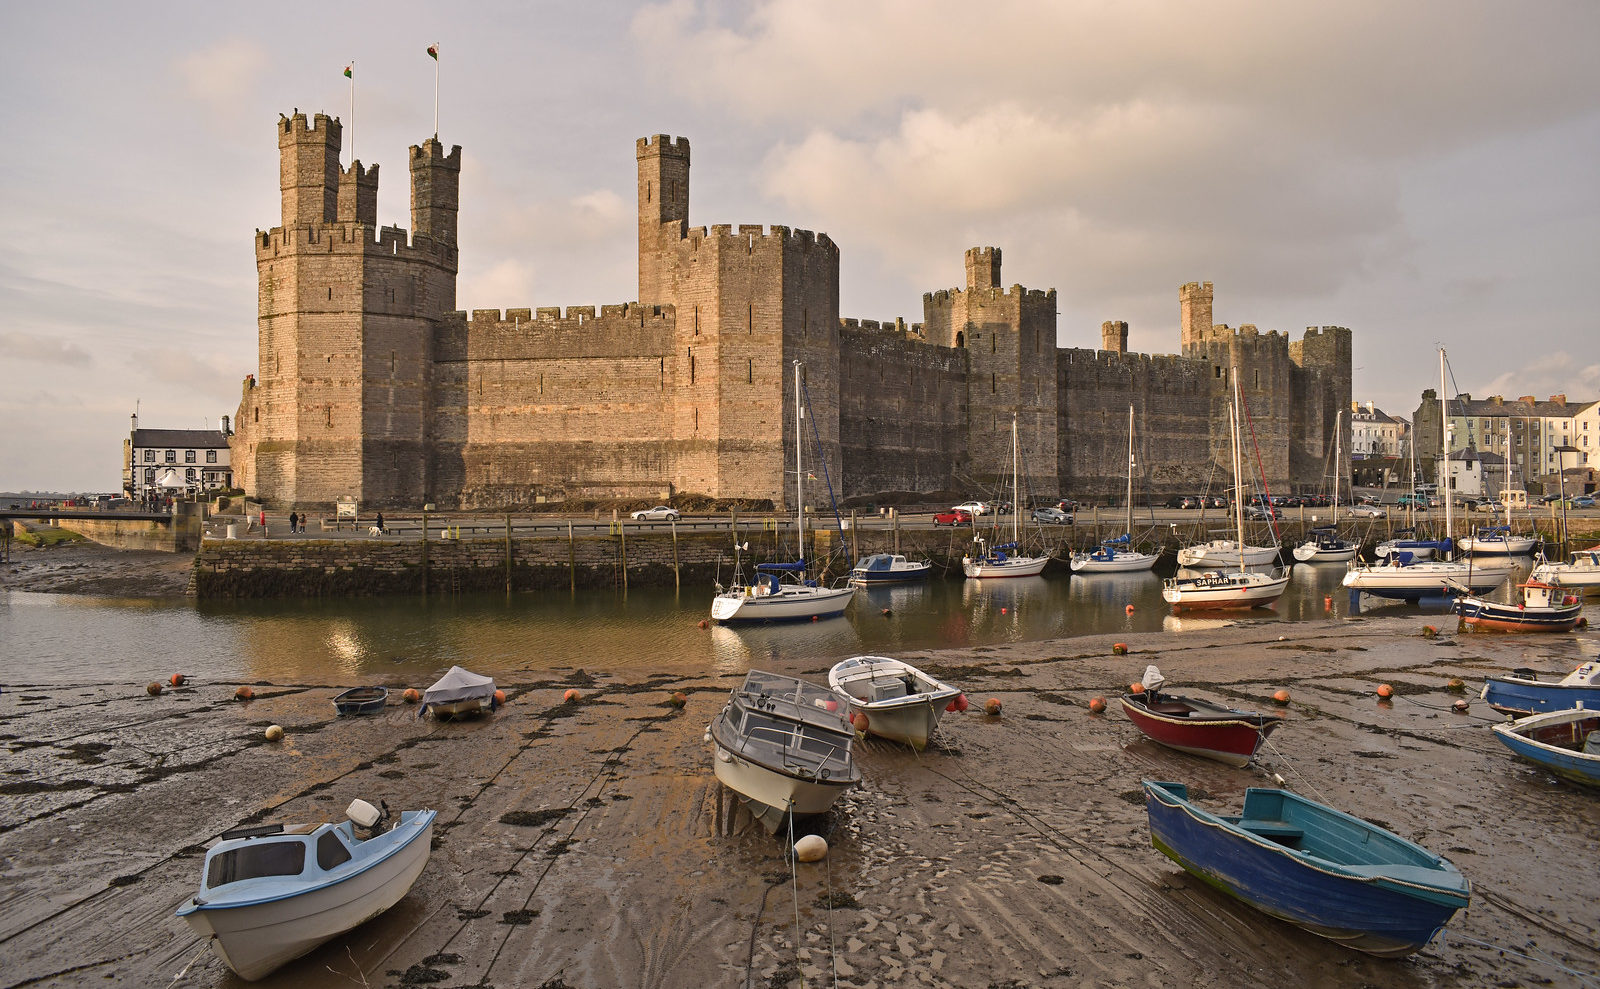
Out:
{"x": 1545, "y": 607}
{"x": 1197, "y": 727}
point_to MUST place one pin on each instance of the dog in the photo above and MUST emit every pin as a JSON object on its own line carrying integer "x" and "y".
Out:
{"x": 374, "y": 531}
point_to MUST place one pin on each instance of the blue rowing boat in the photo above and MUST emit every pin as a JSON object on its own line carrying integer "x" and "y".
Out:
{"x": 1522, "y": 692}
{"x": 361, "y": 700}
{"x": 1565, "y": 742}
{"x": 1318, "y": 868}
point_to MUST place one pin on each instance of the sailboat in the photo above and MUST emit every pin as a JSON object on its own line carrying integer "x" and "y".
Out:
{"x": 1405, "y": 540}
{"x": 1228, "y": 589}
{"x": 998, "y": 561}
{"x": 1117, "y": 555}
{"x": 1405, "y": 578}
{"x": 770, "y": 598}
{"x": 1324, "y": 544}
{"x": 1499, "y": 540}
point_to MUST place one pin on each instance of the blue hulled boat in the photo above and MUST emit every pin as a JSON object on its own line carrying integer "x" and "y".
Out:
{"x": 1318, "y": 868}
{"x": 888, "y": 568}
{"x": 1522, "y": 692}
{"x": 361, "y": 700}
{"x": 1565, "y": 742}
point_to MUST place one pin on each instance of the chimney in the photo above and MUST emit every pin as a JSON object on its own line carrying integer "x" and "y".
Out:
{"x": 1559, "y": 399}
{"x": 1370, "y": 410}
{"x": 1528, "y": 398}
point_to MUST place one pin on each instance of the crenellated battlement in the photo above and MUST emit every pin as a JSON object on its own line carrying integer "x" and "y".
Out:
{"x": 431, "y": 152}
{"x": 661, "y": 144}
{"x": 897, "y": 326}
{"x": 296, "y": 128}
{"x": 573, "y": 316}
{"x": 946, "y": 298}
{"x": 755, "y": 236}
{"x": 351, "y": 238}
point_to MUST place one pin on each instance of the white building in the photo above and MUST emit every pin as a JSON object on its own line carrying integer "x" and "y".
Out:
{"x": 1374, "y": 433}
{"x": 175, "y": 461}
{"x": 1477, "y": 474}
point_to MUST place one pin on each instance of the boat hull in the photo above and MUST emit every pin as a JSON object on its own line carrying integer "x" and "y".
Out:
{"x": 1383, "y": 550}
{"x": 1018, "y": 566}
{"x": 257, "y": 939}
{"x": 1518, "y": 695}
{"x": 1424, "y": 580}
{"x": 1230, "y": 737}
{"x": 469, "y": 707}
{"x": 1479, "y": 614}
{"x": 1577, "y": 576}
{"x": 892, "y": 577}
{"x": 1368, "y": 914}
{"x": 1225, "y": 553}
{"x": 1515, "y": 546}
{"x": 770, "y": 795}
{"x": 1539, "y": 740}
{"x": 361, "y": 701}
{"x": 1311, "y": 553}
{"x": 911, "y": 718}
{"x": 791, "y": 604}
{"x": 1227, "y": 592}
{"x": 1090, "y": 563}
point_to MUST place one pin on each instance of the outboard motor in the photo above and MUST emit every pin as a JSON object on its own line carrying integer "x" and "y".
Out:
{"x": 366, "y": 819}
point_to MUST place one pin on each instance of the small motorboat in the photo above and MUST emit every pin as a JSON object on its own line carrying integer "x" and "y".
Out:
{"x": 1211, "y": 731}
{"x": 888, "y": 568}
{"x": 270, "y": 894}
{"x": 458, "y": 694}
{"x": 1521, "y": 692}
{"x": 900, "y": 702}
{"x": 1325, "y": 546}
{"x": 361, "y": 700}
{"x": 1497, "y": 540}
{"x": 1321, "y": 869}
{"x": 1545, "y": 607}
{"x": 1565, "y": 742}
{"x": 1114, "y": 556}
{"x": 1581, "y": 572}
{"x": 1405, "y": 541}
{"x": 783, "y": 746}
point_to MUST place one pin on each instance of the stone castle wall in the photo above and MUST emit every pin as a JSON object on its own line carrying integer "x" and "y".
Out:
{"x": 903, "y": 409}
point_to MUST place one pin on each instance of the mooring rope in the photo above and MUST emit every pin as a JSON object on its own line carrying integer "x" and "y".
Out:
{"x": 794, "y": 887}
{"x": 1585, "y": 978}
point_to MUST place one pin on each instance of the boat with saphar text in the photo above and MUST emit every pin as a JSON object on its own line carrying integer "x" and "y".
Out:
{"x": 1006, "y": 559}
{"x": 1116, "y": 555}
{"x": 270, "y": 894}
{"x": 1237, "y": 587}
{"x": 1544, "y": 607}
{"x": 782, "y": 592}
{"x": 899, "y": 701}
{"x": 783, "y": 746}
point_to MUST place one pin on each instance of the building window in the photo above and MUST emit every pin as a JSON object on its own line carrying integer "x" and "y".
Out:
{"x": 149, "y": 456}
{"x": 188, "y": 456}
{"x": 149, "y": 475}
{"x": 211, "y": 456}
{"x": 188, "y": 474}
{"x": 172, "y": 456}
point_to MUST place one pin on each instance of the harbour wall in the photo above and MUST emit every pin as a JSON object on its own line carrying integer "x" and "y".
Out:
{"x": 181, "y": 535}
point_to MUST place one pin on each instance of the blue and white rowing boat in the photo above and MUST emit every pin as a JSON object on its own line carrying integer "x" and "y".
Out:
{"x": 1318, "y": 868}
{"x": 1565, "y": 742}
{"x": 1522, "y": 692}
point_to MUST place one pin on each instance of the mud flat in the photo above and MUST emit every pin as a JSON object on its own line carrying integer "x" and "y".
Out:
{"x": 89, "y": 568}
{"x": 587, "y": 844}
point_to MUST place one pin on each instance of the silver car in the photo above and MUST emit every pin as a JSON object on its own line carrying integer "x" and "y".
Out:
{"x": 660, "y": 513}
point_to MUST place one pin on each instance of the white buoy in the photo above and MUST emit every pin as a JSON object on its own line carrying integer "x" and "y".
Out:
{"x": 811, "y": 848}
{"x": 274, "y": 733}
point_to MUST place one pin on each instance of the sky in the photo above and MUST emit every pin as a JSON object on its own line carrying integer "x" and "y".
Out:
{"x": 1425, "y": 173}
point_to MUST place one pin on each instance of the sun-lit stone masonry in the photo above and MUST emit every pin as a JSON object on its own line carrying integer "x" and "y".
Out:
{"x": 371, "y": 384}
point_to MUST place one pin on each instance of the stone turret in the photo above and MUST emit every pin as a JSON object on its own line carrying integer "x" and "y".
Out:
{"x": 308, "y": 169}
{"x": 1114, "y": 336}
{"x": 983, "y": 268}
{"x": 435, "y": 191}
{"x": 663, "y": 199}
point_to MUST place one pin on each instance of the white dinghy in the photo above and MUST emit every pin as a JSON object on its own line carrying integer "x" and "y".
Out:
{"x": 901, "y": 703}
{"x": 270, "y": 894}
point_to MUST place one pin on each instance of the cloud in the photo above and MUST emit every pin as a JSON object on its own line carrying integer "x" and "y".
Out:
{"x": 223, "y": 74}
{"x": 1557, "y": 373}
{"x": 46, "y": 350}
{"x": 194, "y": 374}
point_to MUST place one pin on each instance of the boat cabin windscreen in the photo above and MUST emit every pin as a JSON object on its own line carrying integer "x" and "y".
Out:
{"x": 256, "y": 860}
{"x": 331, "y": 852}
{"x": 806, "y": 743}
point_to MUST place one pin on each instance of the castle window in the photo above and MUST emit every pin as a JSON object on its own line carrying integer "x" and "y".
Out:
{"x": 257, "y": 415}
{"x": 663, "y": 374}
{"x": 750, "y": 317}
{"x": 691, "y": 371}
{"x": 329, "y": 409}
{"x": 696, "y": 320}
{"x": 749, "y": 371}
{"x": 1216, "y": 371}
{"x": 961, "y": 339}
{"x": 330, "y": 293}
{"x": 697, "y": 419}
{"x": 991, "y": 382}
{"x": 805, "y": 321}
{"x": 647, "y": 192}
{"x": 391, "y": 363}
{"x": 1258, "y": 379}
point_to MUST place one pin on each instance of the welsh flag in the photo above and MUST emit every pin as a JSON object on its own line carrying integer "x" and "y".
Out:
{"x": 349, "y": 72}
{"x": 433, "y": 52}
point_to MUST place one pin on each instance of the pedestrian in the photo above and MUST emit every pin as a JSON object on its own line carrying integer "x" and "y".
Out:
{"x": 294, "y": 522}
{"x": 380, "y": 523}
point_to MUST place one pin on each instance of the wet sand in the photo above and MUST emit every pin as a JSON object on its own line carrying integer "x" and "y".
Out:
{"x": 89, "y": 568}
{"x": 588, "y": 845}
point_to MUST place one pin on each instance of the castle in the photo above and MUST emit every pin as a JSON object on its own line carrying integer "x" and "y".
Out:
{"x": 372, "y": 385}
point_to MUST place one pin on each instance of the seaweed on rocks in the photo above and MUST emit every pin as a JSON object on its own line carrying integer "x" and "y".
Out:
{"x": 534, "y": 818}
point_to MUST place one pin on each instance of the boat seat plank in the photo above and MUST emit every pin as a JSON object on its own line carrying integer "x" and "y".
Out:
{"x": 1271, "y": 829}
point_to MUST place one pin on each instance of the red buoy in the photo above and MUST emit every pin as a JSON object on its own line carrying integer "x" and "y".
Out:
{"x": 244, "y": 694}
{"x": 499, "y": 698}
{"x": 1097, "y": 705}
{"x": 1385, "y": 691}
{"x": 992, "y": 706}
{"x": 178, "y": 679}
{"x": 412, "y": 695}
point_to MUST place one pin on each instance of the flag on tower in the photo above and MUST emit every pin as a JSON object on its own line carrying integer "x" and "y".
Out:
{"x": 349, "y": 71}
{"x": 433, "y": 51}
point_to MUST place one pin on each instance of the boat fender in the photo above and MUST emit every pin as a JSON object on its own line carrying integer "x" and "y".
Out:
{"x": 823, "y": 773}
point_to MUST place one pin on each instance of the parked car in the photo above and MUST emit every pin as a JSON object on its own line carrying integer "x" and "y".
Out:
{"x": 1257, "y": 513}
{"x": 972, "y": 508}
{"x": 1067, "y": 504}
{"x": 660, "y": 513}
{"x": 1414, "y": 501}
{"x": 956, "y": 516}
{"x": 1216, "y": 501}
{"x": 1183, "y": 501}
{"x": 1052, "y": 516}
{"x": 1585, "y": 501}
{"x": 1369, "y": 511}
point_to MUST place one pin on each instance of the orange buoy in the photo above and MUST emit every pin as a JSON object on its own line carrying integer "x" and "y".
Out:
{"x": 178, "y": 679}
{"x": 1097, "y": 705}
{"x": 1429, "y": 632}
{"x": 412, "y": 695}
{"x": 1456, "y": 684}
{"x": 1281, "y": 697}
{"x": 571, "y": 696}
{"x": 887, "y": 612}
{"x": 859, "y": 720}
{"x": 679, "y": 699}
{"x": 992, "y": 706}
{"x": 499, "y": 698}
{"x": 1461, "y": 705}
{"x": 153, "y": 688}
{"x": 961, "y": 703}
{"x": 244, "y": 694}
{"x": 1119, "y": 649}
{"x": 1385, "y": 691}
{"x": 1327, "y": 602}
{"x": 1128, "y": 609}
{"x": 704, "y": 623}
{"x": 1135, "y": 688}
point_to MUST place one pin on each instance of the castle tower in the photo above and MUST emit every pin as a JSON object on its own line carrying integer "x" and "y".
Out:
{"x": 308, "y": 169}
{"x": 1114, "y": 336}
{"x": 346, "y": 318}
{"x": 435, "y": 191}
{"x": 1194, "y": 313}
{"x": 663, "y": 199}
{"x": 983, "y": 268}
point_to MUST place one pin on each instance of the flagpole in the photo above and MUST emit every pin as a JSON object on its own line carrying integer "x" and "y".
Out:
{"x": 436, "y": 91}
{"x": 352, "y": 111}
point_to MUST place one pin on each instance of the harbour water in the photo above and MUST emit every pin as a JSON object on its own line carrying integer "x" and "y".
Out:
{"x": 58, "y": 638}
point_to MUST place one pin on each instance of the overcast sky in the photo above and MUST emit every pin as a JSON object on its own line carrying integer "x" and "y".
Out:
{"x": 1422, "y": 173}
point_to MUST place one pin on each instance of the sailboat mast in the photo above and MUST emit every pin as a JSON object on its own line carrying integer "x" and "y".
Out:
{"x": 1338, "y": 455}
{"x": 799, "y": 470}
{"x": 1016, "y": 508}
{"x": 1130, "y": 473}
{"x": 1444, "y": 444}
{"x": 1238, "y": 486}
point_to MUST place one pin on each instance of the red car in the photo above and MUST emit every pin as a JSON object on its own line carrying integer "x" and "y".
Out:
{"x": 956, "y": 516}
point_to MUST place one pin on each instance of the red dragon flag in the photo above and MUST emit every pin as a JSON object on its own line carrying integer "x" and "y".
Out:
{"x": 433, "y": 52}
{"x": 349, "y": 71}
